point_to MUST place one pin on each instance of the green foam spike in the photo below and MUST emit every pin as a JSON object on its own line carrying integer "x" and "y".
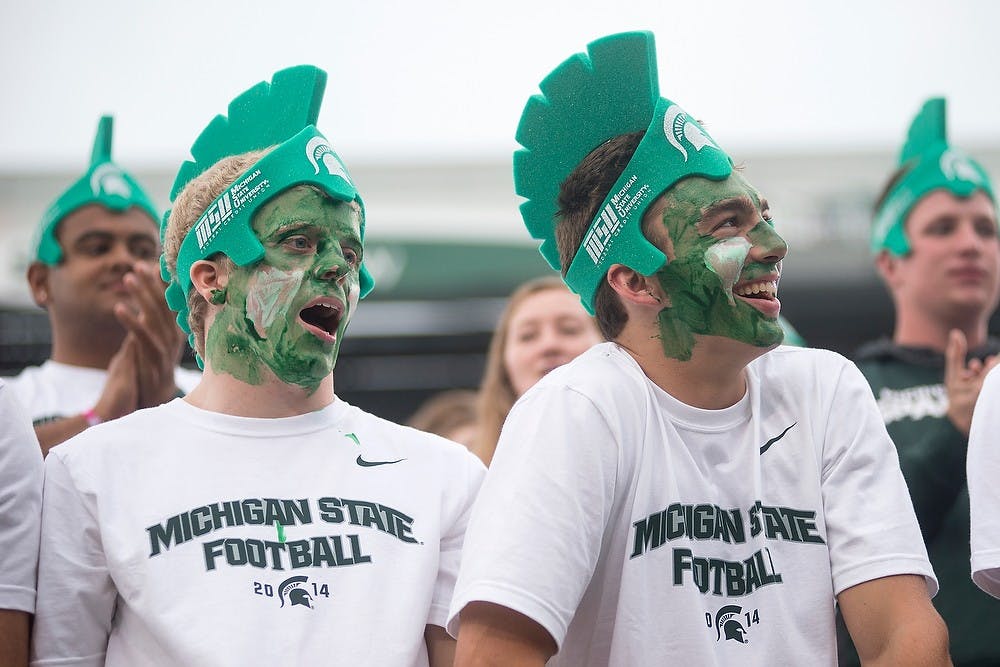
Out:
{"x": 929, "y": 128}
{"x": 102, "y": 141}
{"x": 590, "y": 98}
{"x": 290, "y": 102}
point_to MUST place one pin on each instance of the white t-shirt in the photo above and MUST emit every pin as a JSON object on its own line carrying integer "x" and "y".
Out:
{"x": 20, "y": 504}
{"x": 638, "y": 530}
{"x": 984, "y": 492}
{"x": 55, "y": 390}
{"x": 161, "y": 545}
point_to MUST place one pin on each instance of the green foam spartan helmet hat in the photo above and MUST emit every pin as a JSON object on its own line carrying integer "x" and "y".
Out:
{"x": 929, "y": 164}
{"x": 590, "y": 98}
{"x": 105, "y": 183}
{"x": 283, "y": 113}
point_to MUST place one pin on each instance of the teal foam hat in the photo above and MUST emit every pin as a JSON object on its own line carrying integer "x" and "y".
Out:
{"x": 931, "y": 164}
{"x": 281, "y": 112}
{"x": 590, "y": 98}
{"x": 105, "y": 183}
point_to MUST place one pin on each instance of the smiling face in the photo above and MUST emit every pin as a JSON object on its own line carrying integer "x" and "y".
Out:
{"x": 953, "y": 268}
{"x": 99, "y": 248}
{"x": 288, "y": 312}
{"x": 547, "y": 329}
{"x": 724, "y": 263}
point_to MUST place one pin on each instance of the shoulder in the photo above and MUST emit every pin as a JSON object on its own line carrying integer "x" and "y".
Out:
{"x": 114, "y": 442}
{"x": 786, "y": 363}
{"x": 375, "y": 434}
{"x": 603, "y": 370}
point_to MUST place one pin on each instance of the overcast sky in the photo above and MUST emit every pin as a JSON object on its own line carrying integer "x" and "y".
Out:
{"x": 435, "y": 80}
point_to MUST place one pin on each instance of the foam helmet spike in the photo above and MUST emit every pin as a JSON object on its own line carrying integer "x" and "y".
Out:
{"x": 104, "y": 183}
{"x": 930, "y": 164}
{"x": 281, "y": 112}
{"x": 590, "y": 98}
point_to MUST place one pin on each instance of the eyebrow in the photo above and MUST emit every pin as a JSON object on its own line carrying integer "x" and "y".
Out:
{"x": 734, "y": 205}
{"x": 103, "y": 235}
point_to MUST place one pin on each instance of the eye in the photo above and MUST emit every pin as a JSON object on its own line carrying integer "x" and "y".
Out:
{"x": 986, "y": 228}
{"x": 298, "y": 243}
{"x": 94, "y": 247}
{"x": 731, "y": 222}
{"x": 940, "y": 227}
{"x": 351, "y": 255}
{"x": 143, "y": 249}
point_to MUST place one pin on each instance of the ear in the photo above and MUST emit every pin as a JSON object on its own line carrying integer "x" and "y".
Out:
{"x": 38, "y": 283}
{"x": 887, "y": 266}
{"x": 633, "y": 287}
{"x": 208, "y": 275}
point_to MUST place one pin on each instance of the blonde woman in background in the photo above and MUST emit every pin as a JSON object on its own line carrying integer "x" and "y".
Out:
{"x": 542, "y": 327}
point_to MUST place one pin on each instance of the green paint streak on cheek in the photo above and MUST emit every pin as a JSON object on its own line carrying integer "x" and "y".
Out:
{"x": 725, "y": 259}
{"x": 269, "y": 296}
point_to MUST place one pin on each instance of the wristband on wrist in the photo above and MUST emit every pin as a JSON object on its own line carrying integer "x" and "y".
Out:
{"x": 91, "y": 417}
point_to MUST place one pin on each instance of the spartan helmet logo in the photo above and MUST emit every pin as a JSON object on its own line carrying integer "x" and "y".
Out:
{"x": 319, "y": 152}
{"x": 957, "y": 167}
{"x": 677, "y": 127}
{"x": 291, "y": 588}
{"x": 108, "y": 179}
{"x": 727, "y": 621}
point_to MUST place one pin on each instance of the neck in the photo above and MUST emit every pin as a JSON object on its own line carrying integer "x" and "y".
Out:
{"x": 918, "y": 329}
{"x": 712, "y": 379}
{"x": 272, "y": 398}
{"x": 87, "y": 343}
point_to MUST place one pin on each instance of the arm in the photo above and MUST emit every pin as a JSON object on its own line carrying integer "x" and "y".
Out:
{"x": 984, "y": 493}
{"x": 440, "y": 646}
{"x": 495, "y": 635}
{"x": 70, "y": 628}
{"x": 20, "y": 507}
{"x": 14, "y": 631}
{"x": 893, "y": 622}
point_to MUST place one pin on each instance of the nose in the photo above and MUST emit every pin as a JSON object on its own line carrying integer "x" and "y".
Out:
{"x": 969, "y": 241}
{"x": 332, "y": 266}
{"x": 767, "y": 246}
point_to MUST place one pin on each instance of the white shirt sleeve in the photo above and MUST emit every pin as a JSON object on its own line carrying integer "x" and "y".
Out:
{"x": 462, "y": 490}
{"x": 536, "y": 531}
{"x": 20, "y": 505}
{"x": 871, "y": 527}
{"x": 76, "y": 597}
{"x": 984, "y": 486}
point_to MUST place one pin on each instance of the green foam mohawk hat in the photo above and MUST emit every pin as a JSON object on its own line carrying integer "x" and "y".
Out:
{"x": 105, "y": 183}
{"x": 590, "y": 98}
{"x": 930, "y": 164}
{"x": 283, "y": 113}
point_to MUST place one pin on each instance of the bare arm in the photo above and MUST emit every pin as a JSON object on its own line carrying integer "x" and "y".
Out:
{"x": 492, "y": 635}
{"x": 893, "y": 622}
{"x": 14, "y": 630}
{"x": 440, "y": 646}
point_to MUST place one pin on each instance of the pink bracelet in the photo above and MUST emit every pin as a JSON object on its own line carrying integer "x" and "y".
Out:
{"x": 91, "y": 417}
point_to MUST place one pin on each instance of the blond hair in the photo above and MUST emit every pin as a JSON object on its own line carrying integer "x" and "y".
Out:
{"x": 189, "y": 205}
{"x": 496, "y": 393}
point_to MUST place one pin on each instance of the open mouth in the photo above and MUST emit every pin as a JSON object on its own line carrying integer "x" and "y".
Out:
{"x": 321, "y": 318}
{"x": 764, "y": 289}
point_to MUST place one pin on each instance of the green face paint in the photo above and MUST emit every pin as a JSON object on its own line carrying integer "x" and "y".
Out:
{"x": 288, "y": 312}
{"x": 714, "y": 225}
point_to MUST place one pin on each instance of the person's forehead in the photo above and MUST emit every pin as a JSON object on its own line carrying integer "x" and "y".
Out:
{"x": 94, "y": 218}
{"x": 551, "y": 303}
{"x": 942, "y": 203}
{"x": 304, "y": 204}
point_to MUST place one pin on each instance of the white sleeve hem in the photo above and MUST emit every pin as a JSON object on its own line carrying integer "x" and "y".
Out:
{"x": 18, "y": 598}
{"x": 889, "y": 565}
{"x": 986, "y": 571}
{"x": 513, "y": 599}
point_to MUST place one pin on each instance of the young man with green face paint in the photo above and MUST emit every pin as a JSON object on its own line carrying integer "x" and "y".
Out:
{"x": 259, "y": 520}
{"x": 115, "y": 344}
{"x": 934, "y": 238}
{"x": 685, "y": 492}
